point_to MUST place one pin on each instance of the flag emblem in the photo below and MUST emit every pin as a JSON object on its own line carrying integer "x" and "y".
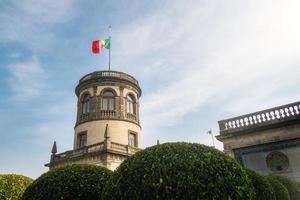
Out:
{"x": 97, "y": 45}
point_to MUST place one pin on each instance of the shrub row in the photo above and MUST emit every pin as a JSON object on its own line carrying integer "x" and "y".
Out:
{"x": 76, "y": 182}
{"x": 263, "y": 188}
{"x": 280, "y": 190}
{"x": 167, "y": 171}
{"x": 179, "y": 171}
{"x": 12, "y": 186}
{"x": 274, "y": 187}
{"x": 291, "y": 186}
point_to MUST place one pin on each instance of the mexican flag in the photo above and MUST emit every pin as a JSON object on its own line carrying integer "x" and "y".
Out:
{"x": 100, "y": 44}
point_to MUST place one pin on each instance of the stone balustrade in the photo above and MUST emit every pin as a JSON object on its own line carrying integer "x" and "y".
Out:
{"x": 124, "y": 148}
{"x": 108, "y": 113}
{"x": 95, "y": 148}
{"x": 262, "y": 118}
{"x": 80, "y": 151}
{"x": 130, "y": 116}
{"x": 105, "y": 74}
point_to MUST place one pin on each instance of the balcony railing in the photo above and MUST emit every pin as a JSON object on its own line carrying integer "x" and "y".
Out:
{"x": 79, "y": 152}
{"x": 115, "y": 74}
{"x": 131, "y": 116}
{"x": 108, "y": 113}
{"x": 97, "y": 115}
{"x": 84, "y": 117}
{"x": 124, "y": 148}
{"x": 96, "y": 148}
{"x": 267, "y": 117}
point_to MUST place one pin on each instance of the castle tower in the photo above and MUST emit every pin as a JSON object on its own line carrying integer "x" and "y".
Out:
{"x": 107, "y": 129}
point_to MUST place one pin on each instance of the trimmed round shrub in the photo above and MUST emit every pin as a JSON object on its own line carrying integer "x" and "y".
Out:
{"x": 291, "y": 186}
{"x": 263, "y": 189}
{"x": 280, "y": 190}
{"x": 179, "y": 171}
{"x": 84, "y": 182}
{"x": 12, "y": 186}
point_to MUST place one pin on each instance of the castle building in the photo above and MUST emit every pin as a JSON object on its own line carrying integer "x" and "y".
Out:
{"x": 107, "y": 129}
{"x": 266, "y": 141}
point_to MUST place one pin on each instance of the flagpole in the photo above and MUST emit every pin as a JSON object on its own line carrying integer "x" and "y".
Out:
{"x": 109, "y": 53}
{"x": 212, "y": 137}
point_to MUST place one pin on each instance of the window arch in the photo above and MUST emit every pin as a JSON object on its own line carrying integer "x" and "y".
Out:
{"x": 130, "y": 104}
{"x": 108, "y": 100}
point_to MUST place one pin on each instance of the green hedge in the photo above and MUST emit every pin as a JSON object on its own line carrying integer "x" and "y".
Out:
{"x": 263, "y": 189}
{"x": 12, "y": 186}
{"x": 291, "y": 186}
{"x": 280, "y": 190}
{"x": 179, "y": 171}
{"x": 84, "y": 182}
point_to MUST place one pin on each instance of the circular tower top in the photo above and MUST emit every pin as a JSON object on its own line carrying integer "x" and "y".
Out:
{"x": 106, "y": 95}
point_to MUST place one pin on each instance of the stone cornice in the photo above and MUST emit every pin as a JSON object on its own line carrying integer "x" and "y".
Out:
{"x": 107, "y": 118}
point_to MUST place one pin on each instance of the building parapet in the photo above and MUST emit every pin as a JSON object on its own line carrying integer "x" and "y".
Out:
{"x": 98, "y": 148}
{"x": 99, "y": 76}
{"x": 268, "y": 118}
{"x": 103, "y": 74}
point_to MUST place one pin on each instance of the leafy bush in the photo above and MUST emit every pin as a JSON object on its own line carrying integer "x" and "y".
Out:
{"x": 280, "y": 190}
{"x": 12, "y": 186}
{"x": 179, "y": 171}
{"x": 263, "y": 189}
{"x": 291, "y": 186}
{"x": 84, "y": 182}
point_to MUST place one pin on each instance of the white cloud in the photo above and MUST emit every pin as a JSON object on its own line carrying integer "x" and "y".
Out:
{"x": 27, "y": 80}
{"x": 29, "y": 22}
{"x": 46, "y": 11}
{"x": 241, "y": 55}
{"x": 237, "y": 56}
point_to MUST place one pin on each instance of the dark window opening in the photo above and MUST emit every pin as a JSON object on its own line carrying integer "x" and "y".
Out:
{"x": 132, "y": 140}
{"x": 86, "y": 104}
{"x": 82, "y": 140}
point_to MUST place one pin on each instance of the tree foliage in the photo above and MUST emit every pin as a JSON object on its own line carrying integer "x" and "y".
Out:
{"x": 84, "y": 182}
{"x": 292, "y": 186}
{"x": 12, "y": 186}
{"x": 179, "y": 171}
{"x": 263, "y": 188}
{"x": 280, "y": 190}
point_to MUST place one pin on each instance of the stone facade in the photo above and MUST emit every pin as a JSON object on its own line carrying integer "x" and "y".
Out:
{"x": 107, "y": 129}
{"x": 267, "y": 141}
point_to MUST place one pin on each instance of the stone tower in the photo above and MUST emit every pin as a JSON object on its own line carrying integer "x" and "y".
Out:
{"x": 107, "y": 129}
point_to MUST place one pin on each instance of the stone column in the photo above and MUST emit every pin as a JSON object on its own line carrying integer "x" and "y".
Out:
{"x": 121, "y": 102}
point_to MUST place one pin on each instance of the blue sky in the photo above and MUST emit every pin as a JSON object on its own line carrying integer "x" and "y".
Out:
{"x": 197, "y": 62}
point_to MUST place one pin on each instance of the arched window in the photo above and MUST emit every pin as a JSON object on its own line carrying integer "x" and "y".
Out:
{"x": 130, "y": 104}
{"x": 86, "y": 104}
{"x": 108, "y": 100}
